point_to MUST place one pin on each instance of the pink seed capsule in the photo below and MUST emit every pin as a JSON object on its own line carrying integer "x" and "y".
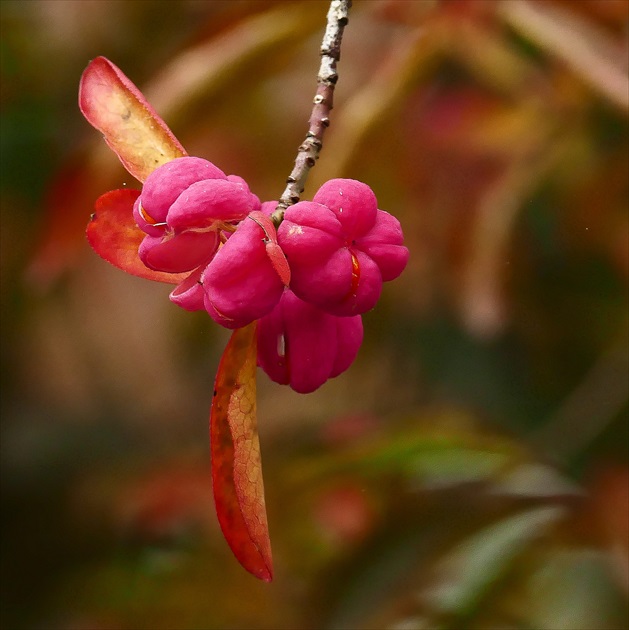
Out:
{"x": 273, "y": 250}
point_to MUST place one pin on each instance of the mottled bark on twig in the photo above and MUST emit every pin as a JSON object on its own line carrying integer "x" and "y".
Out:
{"x": 327, "y": 77}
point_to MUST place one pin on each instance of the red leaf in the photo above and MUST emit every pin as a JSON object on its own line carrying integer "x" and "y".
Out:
{"x": 115, "y": 237}
{"x": 235, "y": 449}
{"x": 278, "y": 260}
{"x": 132, "y": 128}
{"x": 273, "y": 250}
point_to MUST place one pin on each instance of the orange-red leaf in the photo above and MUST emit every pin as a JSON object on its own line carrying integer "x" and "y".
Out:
{"x": 132, "y": 128}
{"x": 114, "y": 236}
{"x": 236, "y": 464}
{"x": 273, "y": 250}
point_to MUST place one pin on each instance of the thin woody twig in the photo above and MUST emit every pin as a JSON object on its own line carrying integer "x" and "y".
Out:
{"x": 323, "y": 103}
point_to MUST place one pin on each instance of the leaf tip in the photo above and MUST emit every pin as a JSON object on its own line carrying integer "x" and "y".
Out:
{"x": 91, "y": 76}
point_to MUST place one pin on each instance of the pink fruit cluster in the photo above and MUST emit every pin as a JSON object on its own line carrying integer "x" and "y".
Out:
{"x": 306, "y": 282}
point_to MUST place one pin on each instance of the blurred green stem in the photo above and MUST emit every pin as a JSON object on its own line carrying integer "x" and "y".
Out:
{"x": 591, "y": 406}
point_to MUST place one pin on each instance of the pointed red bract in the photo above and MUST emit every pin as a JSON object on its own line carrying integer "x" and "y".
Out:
{"x": 114, "y": 236}
{"x": 279, "y": 262}
{"x": 235, "y": 450}
{"x": 132, "y": 128}
{"x": 273, "y": 250}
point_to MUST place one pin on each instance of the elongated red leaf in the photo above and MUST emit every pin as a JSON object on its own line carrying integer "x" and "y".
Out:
{"x": 114, "y": 236}
{"x": 132, "y": 128}
{"x": 235, "y": 449}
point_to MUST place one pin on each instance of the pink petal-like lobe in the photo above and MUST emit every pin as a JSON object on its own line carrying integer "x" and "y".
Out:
{"x": 206, "y": 204}
{"x": 309, "y": 233}
{"x": 350, "y": 337}
{"x": 384, "y": 245}
{"x": 165, "y": 184}
{"x": 329, "y": 282}
{"x": 240, "y": 283}
{"x": 364, "y": 295}
{"x": 177, "y": 254}
{"x": 189, "y": 294}
{"x": 353, "y": 203}
{"x": 302, "y": 346}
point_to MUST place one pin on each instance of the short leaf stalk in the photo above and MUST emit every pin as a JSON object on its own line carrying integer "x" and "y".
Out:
{"x": 323, "y": 102}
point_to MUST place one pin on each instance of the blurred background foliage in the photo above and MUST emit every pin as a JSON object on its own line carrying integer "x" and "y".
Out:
{"x": 471, "y": 469}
